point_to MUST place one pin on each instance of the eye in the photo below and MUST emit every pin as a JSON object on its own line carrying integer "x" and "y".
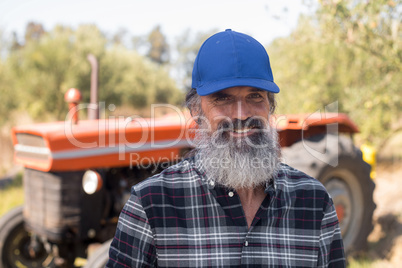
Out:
{"x": 222, "y": 99}
{"x": 255, "y": 96}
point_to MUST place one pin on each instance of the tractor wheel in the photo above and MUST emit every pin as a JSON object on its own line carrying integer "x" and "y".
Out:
{"x": 17, "y": 247}
{"x": 339, "y": 166}
{"x": 100, "y": 257}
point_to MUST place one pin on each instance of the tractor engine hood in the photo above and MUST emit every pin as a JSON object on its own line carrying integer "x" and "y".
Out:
{"x": 63, "y": 146}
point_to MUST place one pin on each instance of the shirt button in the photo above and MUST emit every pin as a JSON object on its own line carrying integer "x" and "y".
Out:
{"x": 246, "y": 243}
{"x": 231, "y": 194}
{"x": 212, "y": 183}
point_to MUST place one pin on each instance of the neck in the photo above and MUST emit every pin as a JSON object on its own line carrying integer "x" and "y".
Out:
{"x": 247, "y": 195}
{"x": 251, "y": 200}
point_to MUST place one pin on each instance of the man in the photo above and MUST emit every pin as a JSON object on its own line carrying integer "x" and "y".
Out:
{"x": 233, "y": 204}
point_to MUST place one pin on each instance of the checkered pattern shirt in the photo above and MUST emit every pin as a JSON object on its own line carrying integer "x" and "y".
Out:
{"x": 180, "y": 218}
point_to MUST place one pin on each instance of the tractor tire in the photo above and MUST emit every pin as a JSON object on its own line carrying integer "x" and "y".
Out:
{"x": 339, "y": 166}
{"x": 99, "y": 258}
{"x": 17, "y": 247}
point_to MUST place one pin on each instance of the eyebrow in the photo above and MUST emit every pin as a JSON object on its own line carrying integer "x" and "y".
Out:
{"x": 221, "y": 94}
{"x": 256, "y": 90}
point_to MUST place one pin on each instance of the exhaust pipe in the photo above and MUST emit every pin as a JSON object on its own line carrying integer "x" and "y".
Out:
{"x": 93, "y": 112}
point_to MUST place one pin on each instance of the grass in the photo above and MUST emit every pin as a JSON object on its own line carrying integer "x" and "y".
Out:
{"x": 366, "y": 262}
{"x": 360, "y": 263}
{"x": 12, "y": 195}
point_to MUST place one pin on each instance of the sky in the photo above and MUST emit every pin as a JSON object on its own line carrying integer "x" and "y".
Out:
{"x": 262, "y": 19}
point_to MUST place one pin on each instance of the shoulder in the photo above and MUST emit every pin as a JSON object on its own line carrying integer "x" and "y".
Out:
{"x": 290, "y": 179}
{"x": 180, "y": 175}
{"x": 298, "y": 190}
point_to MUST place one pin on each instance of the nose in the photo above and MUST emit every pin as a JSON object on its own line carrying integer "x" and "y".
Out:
{"x": 241, "y": 110}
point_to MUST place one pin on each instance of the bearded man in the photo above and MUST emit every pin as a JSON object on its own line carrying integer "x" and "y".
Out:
{"x": 233, "y": 203}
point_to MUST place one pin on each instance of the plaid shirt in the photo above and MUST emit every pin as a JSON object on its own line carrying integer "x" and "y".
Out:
{"x": 180, "y": 218}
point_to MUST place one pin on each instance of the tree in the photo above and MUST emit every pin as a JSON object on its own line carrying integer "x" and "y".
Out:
{"x": 118, "y": 36}
{"x": 159, "y": 48}
{"x": 371, "y": 29}
{"x": 7, "y": 93}
{"x": 126, "y": 78}
{"x": 40, "y": 72}
{"x": 187, "y": 46}
{"x": 346, "y": 53}
{"x": 33, "y": 31}
{"x": 15, "y": 44}
{"x": 372, "y": 26}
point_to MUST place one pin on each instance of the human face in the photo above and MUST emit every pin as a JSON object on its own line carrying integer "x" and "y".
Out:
{"x": 235, "y": 103}
{"x": 239, "y": 148}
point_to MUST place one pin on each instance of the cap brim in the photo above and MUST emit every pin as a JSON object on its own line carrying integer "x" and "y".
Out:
{"x": 216, "y": 86}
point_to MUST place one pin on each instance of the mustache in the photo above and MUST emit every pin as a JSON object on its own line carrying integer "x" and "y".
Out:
{"x": 237, "y": 124}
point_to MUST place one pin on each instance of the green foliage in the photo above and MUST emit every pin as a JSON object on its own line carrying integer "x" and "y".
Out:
{"x": 40, "y": 69}
{"x": 159, "y": 48}
{"x": 12, "y": 195}
{"x": 7, "y": 93}
{"x": 34, "y": 31}
{"x": 360, "y": 263}
{"x": 36, "y": 75}
{"x": 187, "y": 46}
{"x": 126, "y": 78}
{"x": 348, "y": 53}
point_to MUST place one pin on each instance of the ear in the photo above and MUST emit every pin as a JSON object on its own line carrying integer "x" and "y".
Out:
{"x": 193, "y": 100}
{"x": 196, "y": 116}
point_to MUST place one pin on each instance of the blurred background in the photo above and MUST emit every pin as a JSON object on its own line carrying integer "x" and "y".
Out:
{"x": 321, "y": 52}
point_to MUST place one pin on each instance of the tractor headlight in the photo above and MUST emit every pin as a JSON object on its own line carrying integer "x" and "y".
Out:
{"x": 91, "y": 182}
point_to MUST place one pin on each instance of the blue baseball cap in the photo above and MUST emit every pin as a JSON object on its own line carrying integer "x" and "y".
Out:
{"x": 229, "y": 59}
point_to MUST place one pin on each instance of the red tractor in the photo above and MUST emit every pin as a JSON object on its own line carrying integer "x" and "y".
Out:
{"x": 78, "y": 175}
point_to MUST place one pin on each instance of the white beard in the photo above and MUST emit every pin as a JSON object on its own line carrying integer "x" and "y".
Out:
{"x": 246, "y": 162}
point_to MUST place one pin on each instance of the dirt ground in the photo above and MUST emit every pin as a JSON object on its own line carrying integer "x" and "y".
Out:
{"x": 385, "y": 242}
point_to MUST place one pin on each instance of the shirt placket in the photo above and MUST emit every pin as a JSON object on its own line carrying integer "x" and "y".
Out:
{"x": 230, "y": 202}
{"x": 231, "y": 205}
{"x": 249, "y": 246}
{"x": 239, "y": 219}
